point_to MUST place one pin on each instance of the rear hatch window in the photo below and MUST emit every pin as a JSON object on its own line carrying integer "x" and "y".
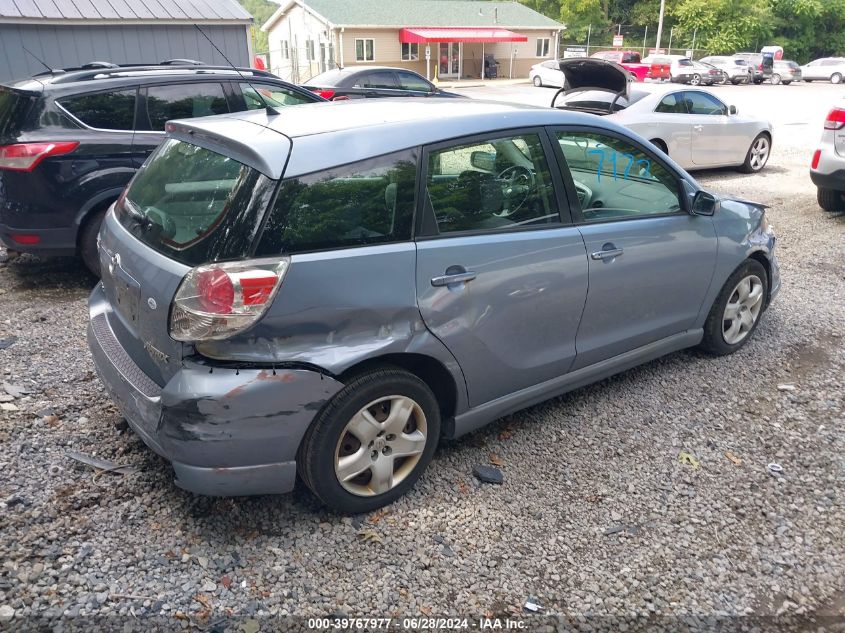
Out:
{"x": 15, "y": 108}
{"x": 195, "y": 205}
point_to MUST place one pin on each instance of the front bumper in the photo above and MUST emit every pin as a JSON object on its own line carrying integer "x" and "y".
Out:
{"x": 226, "y": 431}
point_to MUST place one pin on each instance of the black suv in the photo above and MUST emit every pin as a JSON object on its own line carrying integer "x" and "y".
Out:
{"x": 71, "y": 140}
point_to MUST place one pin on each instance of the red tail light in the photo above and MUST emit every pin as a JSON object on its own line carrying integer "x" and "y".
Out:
{"x": 326, "y": 94}
{"x": 760, "y": 67}
{"x": 20, "y": 238}
{"x": 218, "y": 300}
{"x": 26, "y": 156}
{"x": 816, "y": 158}
{"x": 835, "y": 119}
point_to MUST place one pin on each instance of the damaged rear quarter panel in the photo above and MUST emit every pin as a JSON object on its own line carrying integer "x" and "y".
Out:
{"x": 226, "y": 417}
{"x": 340, "y": 307}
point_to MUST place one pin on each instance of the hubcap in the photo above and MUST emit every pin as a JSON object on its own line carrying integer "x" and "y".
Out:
{"x": 759, "y": 153}
{"x": 380, "y": 446}
{"x": 743, "y": 309}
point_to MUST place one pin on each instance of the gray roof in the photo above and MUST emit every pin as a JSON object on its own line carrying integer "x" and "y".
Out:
{"x": 341, "y": 132}
{"x": 117, "y": 10}
{"x": 436, "y": 13}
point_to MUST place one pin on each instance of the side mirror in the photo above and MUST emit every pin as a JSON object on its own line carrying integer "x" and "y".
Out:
{"x": 732, "y": 110}
{"x": 703, "y": 203}
{"x": 485, "y": 161}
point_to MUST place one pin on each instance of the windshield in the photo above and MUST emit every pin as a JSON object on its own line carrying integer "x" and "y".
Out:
{"x": 328, "y": 78}
{"x": 598, "y": 101}
{"x": 195, "y": 205}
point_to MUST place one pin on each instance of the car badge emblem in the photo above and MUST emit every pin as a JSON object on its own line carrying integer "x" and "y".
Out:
{"x": 152, "y": 303}
{"x": 114, "y": 263}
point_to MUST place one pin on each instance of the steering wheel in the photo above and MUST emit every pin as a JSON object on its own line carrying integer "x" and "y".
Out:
{"x": 517, "y": 182}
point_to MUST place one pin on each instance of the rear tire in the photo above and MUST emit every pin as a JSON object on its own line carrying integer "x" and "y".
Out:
{"x": 695, "y": 80}
{"x": 733, "y": 305}
{"x": 342, "y": 439}
{"x": 537, "y": 81}
{"x": 776, "y": 79}
{"x": 758, "y": 154}
{"x": 786, "y": 83}
{"x": 830, "y": 200}
{"x": 660, "y": 145}
{"x": 835, "y": 78}
{"x": 88, "y": 240}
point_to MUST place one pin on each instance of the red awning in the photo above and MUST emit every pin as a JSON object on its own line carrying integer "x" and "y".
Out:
{"x": 424, "y": 35}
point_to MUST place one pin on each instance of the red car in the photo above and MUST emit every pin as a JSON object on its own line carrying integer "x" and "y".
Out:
{"x": 629, "y": 60}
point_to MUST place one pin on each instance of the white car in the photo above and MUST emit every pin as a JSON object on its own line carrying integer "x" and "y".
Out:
{"x": 827, "y": 171}
{"x": 738, "y": 70}
{"x": 691, "y": 125}
{"x": 830, "y": 69}
{"x": 546, "y": 74}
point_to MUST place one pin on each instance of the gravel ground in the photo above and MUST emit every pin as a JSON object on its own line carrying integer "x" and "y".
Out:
{"x": 597, "y": 515}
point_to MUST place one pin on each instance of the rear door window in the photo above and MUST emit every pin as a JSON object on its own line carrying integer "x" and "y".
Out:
{"x": 195, "y": 205}
{"x": 184, "y": 101}
{"x": 258, "y": 96}
{"x": 672, "y": 104}
{"x": 369, "y": 202}
{"x": 378, "y": 79}
{"x": 114, "y": 110}
{"x": 492, "y": 185}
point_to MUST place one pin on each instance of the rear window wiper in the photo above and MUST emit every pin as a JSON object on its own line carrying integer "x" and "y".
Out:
{"x": 139, "y": 218}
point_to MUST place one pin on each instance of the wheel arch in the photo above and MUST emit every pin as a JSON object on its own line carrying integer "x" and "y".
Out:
{"x": 428, "y": 369}
{"x": 761, "y": 257}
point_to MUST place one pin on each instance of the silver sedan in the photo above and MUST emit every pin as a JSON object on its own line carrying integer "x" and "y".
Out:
{"x": 696, "y": 128}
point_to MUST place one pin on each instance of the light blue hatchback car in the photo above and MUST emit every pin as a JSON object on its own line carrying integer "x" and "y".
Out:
{"x": 331, "y": 290}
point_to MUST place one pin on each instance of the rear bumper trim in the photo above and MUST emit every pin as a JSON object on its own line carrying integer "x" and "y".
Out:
{"x": 263, "y": 479}
{"x": 834, "y": 180}
{"x": 133, "y": 374}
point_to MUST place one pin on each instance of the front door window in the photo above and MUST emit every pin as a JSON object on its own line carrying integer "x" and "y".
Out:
{"x": 449, "y": 59}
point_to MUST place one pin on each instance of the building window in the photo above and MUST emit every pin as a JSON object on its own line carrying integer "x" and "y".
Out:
{"x": 284, "y": 49}
{"x": 543, "y": 47}
{"x": 364, "y": 50}
{"x": 309, "y": 51}
{"x": 410, "y": 52}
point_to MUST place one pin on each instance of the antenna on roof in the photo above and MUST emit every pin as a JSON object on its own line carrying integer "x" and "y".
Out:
{"x": 39, "y": 60}
{"x": 270, "y": 111}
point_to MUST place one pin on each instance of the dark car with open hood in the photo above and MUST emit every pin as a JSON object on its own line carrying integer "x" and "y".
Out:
{"x": 70, "y": 140}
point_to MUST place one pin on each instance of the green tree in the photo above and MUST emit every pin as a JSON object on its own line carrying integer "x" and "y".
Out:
{"x": 723, "y": 26}
{"x": 579, "y": 15}
{"x": 261, "y": 11}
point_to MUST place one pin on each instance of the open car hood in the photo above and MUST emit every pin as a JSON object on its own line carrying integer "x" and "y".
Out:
{"x": 595, "y": 74}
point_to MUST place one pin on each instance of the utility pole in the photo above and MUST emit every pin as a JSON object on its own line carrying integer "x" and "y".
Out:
{"x": 660, "y": 23}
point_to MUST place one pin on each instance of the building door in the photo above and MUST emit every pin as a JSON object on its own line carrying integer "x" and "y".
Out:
{"x": 449, "y": 59}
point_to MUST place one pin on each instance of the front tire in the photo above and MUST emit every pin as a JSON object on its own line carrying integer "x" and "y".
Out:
{"x": 830, "y": 200}
{"x": 737, "y": 310}
{"x": 695, "y": 80}
{"x": 372, "y": 441}
{"x": 836, "y": 78}
{"x": 660, "y": 145}
{"x": 776, "y": 79}
{"x": 537, "y": 81}
{"x": 88, "y": 241}
{"x": 758, "y": 154}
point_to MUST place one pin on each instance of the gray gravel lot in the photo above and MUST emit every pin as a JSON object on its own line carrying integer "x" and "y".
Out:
{"x": 597, "y": 515}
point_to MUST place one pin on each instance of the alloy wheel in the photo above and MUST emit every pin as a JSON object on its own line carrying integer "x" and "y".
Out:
{"x": 760, "y": 153}
{"x": 381, "y": 445}
{"x": 742, "y": 310}
{"x": 695, "y": 80}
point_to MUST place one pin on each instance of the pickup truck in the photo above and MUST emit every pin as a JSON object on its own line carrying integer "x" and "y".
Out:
{"x": 629, "y": 60}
